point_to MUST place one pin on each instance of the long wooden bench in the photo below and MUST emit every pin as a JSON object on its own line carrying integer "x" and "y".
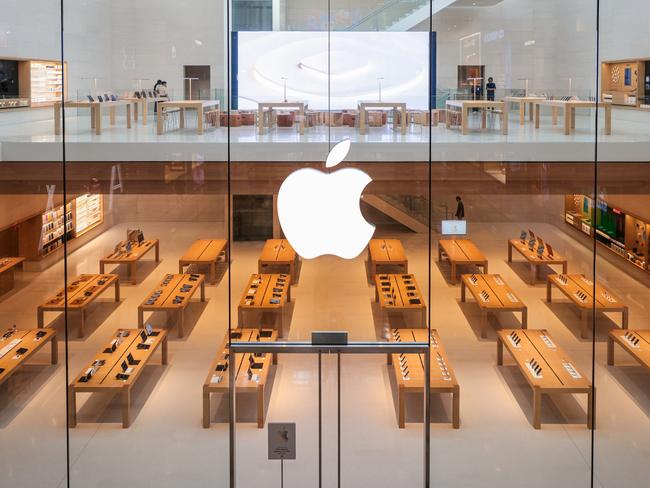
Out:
{"x": 121, "y": 255}
{"x": 82, "y": 291}
{"x": 205, "y": 252}
{"x": 461, "y": 252}
{"x": 251, "y": 370}
{"x": 117, "y": 367}
{"x": 17, "y": 346}
{"x": 492, "y": 294}
{"x": 266, "y": 293}
{"x": 409, "y": 372}
{"x": 7, "y": 266}
{"x": 535, "y": 259}
{"x": 579, "y": 289}
{"x": 400, "y": 293}
{"x": 386, "y": 252}
{"x": 173, "y": 294}
{"x": 278, "y": 253}
{"x": 634, "y": 342}
{"x": 546, "y": 367}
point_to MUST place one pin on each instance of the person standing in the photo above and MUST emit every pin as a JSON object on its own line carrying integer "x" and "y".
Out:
{"x": 460, "y": 209}
{"x": 491, "y": 89}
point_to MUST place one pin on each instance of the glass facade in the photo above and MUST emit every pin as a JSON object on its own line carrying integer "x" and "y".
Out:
{"x": 324, "y": 243}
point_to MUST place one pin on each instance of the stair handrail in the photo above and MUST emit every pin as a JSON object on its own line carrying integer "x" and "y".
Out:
{"x": 377, "y": 12}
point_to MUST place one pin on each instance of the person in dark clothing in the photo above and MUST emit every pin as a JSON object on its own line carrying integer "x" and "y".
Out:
{"x": 460, "y": 209}
{"x": 491, "y": 89}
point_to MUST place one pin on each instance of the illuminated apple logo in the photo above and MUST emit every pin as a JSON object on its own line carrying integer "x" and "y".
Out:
{"x": 319, "y": 212}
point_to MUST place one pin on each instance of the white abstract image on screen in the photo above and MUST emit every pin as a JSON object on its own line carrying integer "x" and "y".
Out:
{"x": 454, "y": 227}
{"x": 356, "y": 61}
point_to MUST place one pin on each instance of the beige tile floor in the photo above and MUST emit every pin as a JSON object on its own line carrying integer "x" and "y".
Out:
{"x": 166, "y": 446}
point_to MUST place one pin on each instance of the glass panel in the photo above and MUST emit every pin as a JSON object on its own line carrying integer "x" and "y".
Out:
{"x": 35, "y": 224}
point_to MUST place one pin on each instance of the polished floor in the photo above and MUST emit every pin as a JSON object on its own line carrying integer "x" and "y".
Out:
{"x": 166, "y": 446}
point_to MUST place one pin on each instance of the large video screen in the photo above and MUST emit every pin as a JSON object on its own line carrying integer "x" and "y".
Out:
{"x": 357, "y": 64}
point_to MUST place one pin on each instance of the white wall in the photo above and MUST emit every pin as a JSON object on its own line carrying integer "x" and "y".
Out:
{"x": 624, "y": 29}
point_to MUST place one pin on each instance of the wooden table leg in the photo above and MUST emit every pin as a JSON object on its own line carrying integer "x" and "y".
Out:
{"x": 564, "y": 267}
{"x": 624, "y": 318}
{"x": 117, "y": 290}
{"x": 72, "y": 407}
{"x": 499, "y": 351}
{"x": 590, "y": 409}
{"x": 260, "y": 406}
{"x": 462, "y": 290}
{"x": 126, "y": 407}
{"x": 164, "y": 351}
{"x": 554, "y": 115}
{"x": 140, "y": 317}
{"x": 509, "y": 252}
{"x": 483, "y": 118}
{"x": 584, "y": 316}
{"x": 57, "y": 118}
{"x": 213, "y": 273}
{"x": 485, "y": 267}
{"x": 522, "y": 113}
{"x": 128, "y": 115}
{"x": 159, "y": 121}
{"x": 362, "y": 120}
{"x": 549, "y": 295}
{"x": 573, "y": 118}
{"x": 610, "y": 351}
{"x": 504, "y": 122}
{"x": 199, "y": 120}
{"x": 455, "y": 416}
{"x": 453, "y": 271}
{"x": 206, "y": 409}
{"x": 537, "y": 408}
{"x": 608, "y": 119}
{"x": 240, "y": 317}
{"x": 133, "y": 272}
{"x": 145, "y": 107}
{"x": 533, "y": 273}
{"x": 404, "y": 121}
{"x": 39, "y": 317}
{"x": 136, "y": 108}
{"x": 567, "y": 120}
{"x": 98, "y": 120}
{"x": 111, "y": 115}
{"x": 484, "y": 321}
{"x": 537, "y": 110}
{"x": 260, "y": 120}
{"x": 54, "y": 343}
{"x": 203, "y": 291}
{"x": 524, "y": 318}
{"x": 101, "y": 267}
{"x": 401, "y": 406}
{"x": 531, "y": 109}
{"x": 82, "y": 323}
{"x": 180, "y": 267}
{"x": 181, "y": 323}
{"x": 181, "y": 118}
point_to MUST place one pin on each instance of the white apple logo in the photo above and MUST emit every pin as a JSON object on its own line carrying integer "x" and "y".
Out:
{"x": 319, "y": 212}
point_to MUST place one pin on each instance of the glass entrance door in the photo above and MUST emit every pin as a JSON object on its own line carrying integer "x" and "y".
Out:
{"x": 346, "y": 434}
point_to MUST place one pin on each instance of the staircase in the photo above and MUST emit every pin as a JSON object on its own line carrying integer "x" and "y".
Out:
{"x": 411, "y": 211}
{"x": 399, "y": 15}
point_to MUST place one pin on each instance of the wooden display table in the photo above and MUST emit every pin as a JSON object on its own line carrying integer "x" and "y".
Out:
{"x": 461, "y": 252}
{"x": 132, "y": 257}
{"x": 183, "y": 105}
{"x": 205, "y": 252}
{"x": 266, "y": 293}
{"x": 634, "y": 342}
{"x": 492, "y": 295}
{"x": 28, "y": 342}
{"x": 143, "y": 103}
{"x": 579, "y": 290}
{"x": 409, "y": 372}
{"x": 569, "y": 107}
{"x": 266, "y": 108}
{"x": 278, "y": 252}
{"x": 386, "y": 252}
{"x": 400, "y": 107}
{"x": 7, "y": 266}
{"x": 546, "y": 367}
{"x": 522, "y": 102}
{"x": 251, "y": 371}
{"x": 173, "y": 294}
{"x": 95, "y": 113}
{"x": 465, "y": 106}
{"x": 400, "y": 293}
{"x": 115, "y": 356}
{"x": 82, "y": 291}
{"x": 535, "y": 260}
